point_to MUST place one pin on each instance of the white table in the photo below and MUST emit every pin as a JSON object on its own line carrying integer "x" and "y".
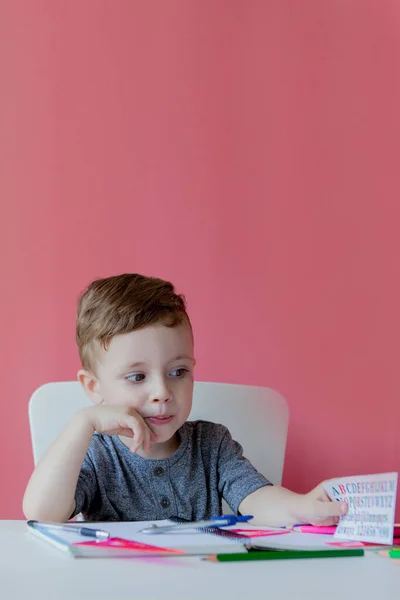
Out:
{"x": 31, "y": 569}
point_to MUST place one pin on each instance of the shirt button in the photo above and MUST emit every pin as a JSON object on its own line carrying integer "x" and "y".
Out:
{"x": 158, "y": 471}
{"x": 165, "y": 502}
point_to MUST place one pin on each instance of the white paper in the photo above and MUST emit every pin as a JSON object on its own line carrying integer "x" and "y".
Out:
{"x": 189, "y": 540}
{"x": 372, "y": 502}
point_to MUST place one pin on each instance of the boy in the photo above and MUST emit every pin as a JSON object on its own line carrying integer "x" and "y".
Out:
{"x": 133, "y": 455}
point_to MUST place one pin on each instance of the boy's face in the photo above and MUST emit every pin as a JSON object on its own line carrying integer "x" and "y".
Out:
{"x": 151, "y": 371}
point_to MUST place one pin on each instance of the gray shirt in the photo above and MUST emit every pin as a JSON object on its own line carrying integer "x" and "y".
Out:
{"x": 116, "y": 485}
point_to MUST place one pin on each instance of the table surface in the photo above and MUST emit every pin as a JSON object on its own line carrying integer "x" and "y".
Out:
{"x": 32, "y": 569}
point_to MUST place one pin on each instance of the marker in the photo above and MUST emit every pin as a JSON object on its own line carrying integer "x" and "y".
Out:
{"x": 283, "y": 555}
{"x": 84, "y": 531}
{"x": 315, "y": 529}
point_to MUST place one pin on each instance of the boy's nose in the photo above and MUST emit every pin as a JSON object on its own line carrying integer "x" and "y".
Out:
{"x": 166, "y": 399}
{"x": 160, "y": 393}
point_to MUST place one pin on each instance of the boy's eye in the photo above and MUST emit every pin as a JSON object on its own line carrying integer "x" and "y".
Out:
{"x": 178, "y": 372}
{"x": 136, "y": 377}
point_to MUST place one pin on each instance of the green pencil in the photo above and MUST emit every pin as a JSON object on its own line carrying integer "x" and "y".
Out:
{"x": 285, "y": 554}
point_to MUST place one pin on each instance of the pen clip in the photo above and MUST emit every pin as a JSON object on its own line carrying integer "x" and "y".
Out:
{"x": 232, "y": 519}
{"x": 244, "y": 518}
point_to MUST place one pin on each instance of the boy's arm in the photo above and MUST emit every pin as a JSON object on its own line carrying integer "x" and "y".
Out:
{"x": 277, "y": 507}
{"x": 50, "y": 494}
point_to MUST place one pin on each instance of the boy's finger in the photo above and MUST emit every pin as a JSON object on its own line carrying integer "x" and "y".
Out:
{"x": 138, "y": 433}
{"x": 146, "y": 440}
{"x": 147, "y": 431}
{"x": 126, "y": 433}
{"x": 324, "y": 510}
{"x": 135, "y": 444}
{"x": 153, "y": 436}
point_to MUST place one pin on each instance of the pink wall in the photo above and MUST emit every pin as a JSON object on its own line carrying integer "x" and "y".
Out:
{"x": 248, "y": 150}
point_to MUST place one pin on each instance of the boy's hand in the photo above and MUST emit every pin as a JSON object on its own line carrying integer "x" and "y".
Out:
{"x": 121, "y": 420}
{"x": 317, "y": 508}
{"x": 276, "y": 506}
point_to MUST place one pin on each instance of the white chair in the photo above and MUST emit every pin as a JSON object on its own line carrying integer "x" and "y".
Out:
{"x": 257, "y": 417}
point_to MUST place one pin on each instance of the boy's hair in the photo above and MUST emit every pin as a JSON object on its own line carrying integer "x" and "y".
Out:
{"x": 122, "y": 304}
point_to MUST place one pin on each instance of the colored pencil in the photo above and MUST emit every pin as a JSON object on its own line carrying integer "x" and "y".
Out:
{"x": 284, "y": 555}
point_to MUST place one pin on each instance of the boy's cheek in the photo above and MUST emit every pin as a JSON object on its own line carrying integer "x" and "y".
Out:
{"x": 113, "y": 398}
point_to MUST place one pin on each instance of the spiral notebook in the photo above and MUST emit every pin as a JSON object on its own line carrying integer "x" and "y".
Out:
{"x": 126, "y": 541}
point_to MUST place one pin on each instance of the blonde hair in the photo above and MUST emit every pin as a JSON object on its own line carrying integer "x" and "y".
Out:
{"x": 121, "y": 304}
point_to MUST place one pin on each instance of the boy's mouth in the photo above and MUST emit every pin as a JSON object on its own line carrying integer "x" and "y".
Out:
{"x": 164, "y": 420}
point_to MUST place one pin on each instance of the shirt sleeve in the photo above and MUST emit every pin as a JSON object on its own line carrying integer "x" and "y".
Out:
{"x": 86, "y": 488}
{"x": 237, "y": 478}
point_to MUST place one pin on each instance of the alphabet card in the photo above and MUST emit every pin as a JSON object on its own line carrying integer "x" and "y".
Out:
{"x": 372, "y": 502}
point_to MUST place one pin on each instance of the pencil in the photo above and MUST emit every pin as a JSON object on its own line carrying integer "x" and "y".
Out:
{"x": 284, "y": 555}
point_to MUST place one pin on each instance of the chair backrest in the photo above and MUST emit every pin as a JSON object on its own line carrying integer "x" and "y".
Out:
{"x": 257, "y": 418}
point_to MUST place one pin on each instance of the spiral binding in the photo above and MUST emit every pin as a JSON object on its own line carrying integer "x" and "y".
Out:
{"x": 223, "y": 533}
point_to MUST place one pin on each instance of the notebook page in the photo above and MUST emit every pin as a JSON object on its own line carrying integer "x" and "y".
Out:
{"x": 188, "y": 540}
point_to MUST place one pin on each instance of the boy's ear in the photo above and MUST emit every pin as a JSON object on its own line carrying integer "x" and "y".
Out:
{"x": 91, "y": 386}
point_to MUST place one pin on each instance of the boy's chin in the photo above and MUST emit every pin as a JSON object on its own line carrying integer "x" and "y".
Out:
{"x": 160, "y": 437}
{"x": 168, "y": 441}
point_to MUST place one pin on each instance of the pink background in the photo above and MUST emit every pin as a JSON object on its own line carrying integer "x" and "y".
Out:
{"x": 247, "y": 150}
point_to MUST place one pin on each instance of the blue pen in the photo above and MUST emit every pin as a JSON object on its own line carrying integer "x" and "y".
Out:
{"x": 69, "y": 527}
{"x": 223, "y": 521}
